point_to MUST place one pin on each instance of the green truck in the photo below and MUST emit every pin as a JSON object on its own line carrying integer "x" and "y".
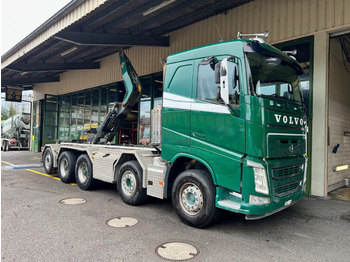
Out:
{"x": 231, "y": 134}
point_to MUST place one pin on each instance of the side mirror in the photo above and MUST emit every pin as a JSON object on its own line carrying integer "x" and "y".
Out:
{"x": 228, "y": 79}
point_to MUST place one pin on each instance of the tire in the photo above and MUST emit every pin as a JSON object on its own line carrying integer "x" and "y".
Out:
{"x": 129, "y": 184}
{"x": 83, "y": 173}
{"x": 48, "y": 161}
{"x": 193, "y": 197}
{"x": 66, "y": 166}
{"x": 4, "y": 145}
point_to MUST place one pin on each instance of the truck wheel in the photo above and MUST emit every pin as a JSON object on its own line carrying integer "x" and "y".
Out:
{"x": 129, "y": 184}
{"x": 4, "y": 146}
{"x": 66, "y": 166}
{"x": 48, "y": 160}
{"x": 83, "y": 173}
{"x": 193, "y": 197}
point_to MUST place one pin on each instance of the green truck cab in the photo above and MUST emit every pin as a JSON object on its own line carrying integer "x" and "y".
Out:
{"x": 231, "y": 134}
{"x": 235, "y": 110}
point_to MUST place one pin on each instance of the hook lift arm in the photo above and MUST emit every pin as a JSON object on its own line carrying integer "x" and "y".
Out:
{"x": 117, "y": 115}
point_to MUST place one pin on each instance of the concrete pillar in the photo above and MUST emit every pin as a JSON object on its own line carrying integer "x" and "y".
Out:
{"x": 320, "y": 115}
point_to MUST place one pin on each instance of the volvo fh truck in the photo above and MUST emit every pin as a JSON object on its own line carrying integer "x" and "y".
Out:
{"x": 230, "y": 134}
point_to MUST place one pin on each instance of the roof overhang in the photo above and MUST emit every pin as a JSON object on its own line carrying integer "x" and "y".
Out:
{"x": 98, "y": 30}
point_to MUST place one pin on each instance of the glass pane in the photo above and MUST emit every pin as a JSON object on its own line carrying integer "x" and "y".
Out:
{"x": 103, "y": 113}
{"x": 94, "y": 115}
{"x": 95, "y": 97}
{"x": 51, "y": 103}
{"x": 80, "y": 116}
{"x": 145, "y": 120}
{"x": 158, "y": 86}
{"x": 104, "y": 96}
{"x": 121, "y": 91}
{"x": 80, "y": 132}
{"x": 62, "y": 119}
{"x": 74, "y": 109}
{"x": 50, "y": 133}
{"x": 146, "y": 88}
{"x": 51, "y": 118}
{"x": 112, "y": 95}
{"x": 73, "y": 131}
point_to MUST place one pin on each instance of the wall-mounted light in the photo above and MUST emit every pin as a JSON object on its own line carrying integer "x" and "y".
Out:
{"x": 340, "y": 168}
{"x": 69, "y": 51}
{"x": 157, "y": 7}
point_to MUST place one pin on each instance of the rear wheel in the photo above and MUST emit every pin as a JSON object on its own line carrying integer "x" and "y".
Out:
{"x": 48, "y": 161}
{"x": 83, "y": 173}
{"x": 66, "y": 166}
{"x": 129, "y": 183}
{"x": 193, "y": 197}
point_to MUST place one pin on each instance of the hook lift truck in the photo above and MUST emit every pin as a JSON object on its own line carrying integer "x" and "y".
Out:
{"x": 231, "y": 134}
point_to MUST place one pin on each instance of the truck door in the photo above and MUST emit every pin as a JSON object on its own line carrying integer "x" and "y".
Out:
{"x": 217, "y": 131}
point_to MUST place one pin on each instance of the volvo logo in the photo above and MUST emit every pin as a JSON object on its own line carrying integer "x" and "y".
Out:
{"x": 289, "y": 120}
{"x": 291, "y": 149}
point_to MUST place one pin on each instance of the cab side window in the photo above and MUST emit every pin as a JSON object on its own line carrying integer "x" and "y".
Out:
{"x": 208, "y": 90}
{"x": 206, "y": 86}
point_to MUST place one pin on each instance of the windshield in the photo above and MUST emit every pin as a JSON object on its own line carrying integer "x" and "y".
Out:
{"x": 272, "y": 77}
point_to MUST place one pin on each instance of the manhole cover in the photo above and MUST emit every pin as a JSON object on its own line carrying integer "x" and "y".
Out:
{"x": 73, "y": 201}
{"x": 177, "y": 251}
{"x": 122, "y": 222}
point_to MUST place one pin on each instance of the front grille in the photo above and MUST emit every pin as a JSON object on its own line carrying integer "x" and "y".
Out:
{"x": 287, "y": 180}
{"x": 286, "y": 189}
{"x": 287, "y": 172}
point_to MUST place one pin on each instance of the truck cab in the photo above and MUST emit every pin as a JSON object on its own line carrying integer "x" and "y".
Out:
{"x": 236, "y": 108}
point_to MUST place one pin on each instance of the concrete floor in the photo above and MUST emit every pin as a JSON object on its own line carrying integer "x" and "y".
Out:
{"x": 341, "y": 194}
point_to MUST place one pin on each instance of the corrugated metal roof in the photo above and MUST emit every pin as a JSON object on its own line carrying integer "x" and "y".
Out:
{"x": 85, "y": 31}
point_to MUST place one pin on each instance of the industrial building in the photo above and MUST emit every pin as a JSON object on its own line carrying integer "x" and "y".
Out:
{"x": 71, "y": 63}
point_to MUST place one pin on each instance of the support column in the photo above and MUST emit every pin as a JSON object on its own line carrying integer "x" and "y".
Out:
{"x": 320, "y": 115}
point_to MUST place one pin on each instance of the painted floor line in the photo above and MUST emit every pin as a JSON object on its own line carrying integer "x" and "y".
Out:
{"x": 40, "y": 173}
{"x": 7, "y": 163}
{"x": 37, "y": 157}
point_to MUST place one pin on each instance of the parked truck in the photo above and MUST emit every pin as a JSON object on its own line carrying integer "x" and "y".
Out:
{"x": 230, "y": 134}
{"x": 15, "y": 132}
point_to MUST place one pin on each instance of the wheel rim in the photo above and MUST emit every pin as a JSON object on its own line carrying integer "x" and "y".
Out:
{"x": 48, "y": 161}
{"x": 128, "y": 183}
{"x": 82, "y": 172}
{"x": 191, "y": 198}
{"x": 64, "y": 167}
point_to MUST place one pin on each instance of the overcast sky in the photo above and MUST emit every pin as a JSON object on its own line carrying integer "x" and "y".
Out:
{"x": 21, "y": 17}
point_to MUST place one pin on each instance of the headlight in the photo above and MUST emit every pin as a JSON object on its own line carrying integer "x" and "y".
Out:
{"x": 259, "y": 177}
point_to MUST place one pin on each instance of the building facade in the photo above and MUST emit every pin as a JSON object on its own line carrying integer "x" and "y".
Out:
{"x": 318, "y": 29}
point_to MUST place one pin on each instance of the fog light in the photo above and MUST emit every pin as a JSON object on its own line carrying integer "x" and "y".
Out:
{"x": 255, "y": 200}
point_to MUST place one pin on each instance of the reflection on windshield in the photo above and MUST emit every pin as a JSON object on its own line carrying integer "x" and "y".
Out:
{"x": 271, "y": 77}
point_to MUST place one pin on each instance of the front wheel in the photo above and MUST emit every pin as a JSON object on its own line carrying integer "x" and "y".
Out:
{"x": 83, "y": 173}
{"x": 193, "y": 197}
{"x": 129, "y": 183}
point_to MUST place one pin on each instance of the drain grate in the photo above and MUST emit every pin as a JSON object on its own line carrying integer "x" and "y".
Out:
{"x": 177, "y": 251}
{"x": 121, "y": 222}
{"x": 73, "y": 201}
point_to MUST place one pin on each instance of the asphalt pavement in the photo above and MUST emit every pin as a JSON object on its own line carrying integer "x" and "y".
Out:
{"x": 43, "y": 219}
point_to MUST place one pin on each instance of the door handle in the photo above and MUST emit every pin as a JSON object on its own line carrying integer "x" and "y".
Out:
{"x": 106, "y": 155}
{"x": 198, "y": 134}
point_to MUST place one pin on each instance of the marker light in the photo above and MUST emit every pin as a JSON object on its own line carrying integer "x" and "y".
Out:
{"x": 341, "y": 168}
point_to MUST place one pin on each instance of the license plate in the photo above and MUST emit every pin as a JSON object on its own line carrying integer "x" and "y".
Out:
{"x": 287, "y": 203}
